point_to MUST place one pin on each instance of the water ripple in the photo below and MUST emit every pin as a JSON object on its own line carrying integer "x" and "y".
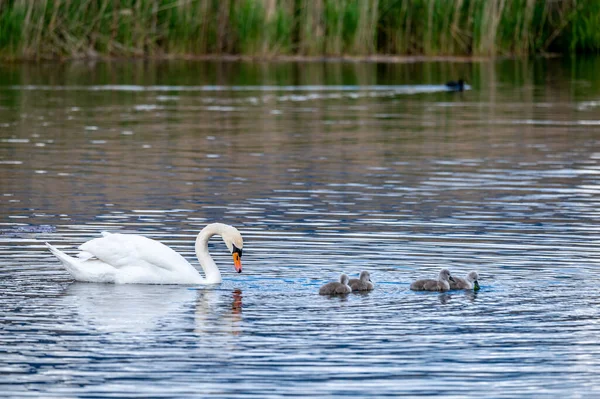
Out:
{"x": 320, "y": 179}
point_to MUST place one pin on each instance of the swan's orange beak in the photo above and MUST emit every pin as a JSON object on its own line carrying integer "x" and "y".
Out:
{"x": 237, "y": 262}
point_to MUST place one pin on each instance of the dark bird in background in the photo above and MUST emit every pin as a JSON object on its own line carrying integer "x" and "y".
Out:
{"x": 456, "y": 86}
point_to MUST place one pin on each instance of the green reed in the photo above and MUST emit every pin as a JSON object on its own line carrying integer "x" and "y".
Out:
{"x": 71, "y": 28}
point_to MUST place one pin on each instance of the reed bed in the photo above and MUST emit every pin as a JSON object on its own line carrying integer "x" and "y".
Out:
{"x": 87, "y": 28}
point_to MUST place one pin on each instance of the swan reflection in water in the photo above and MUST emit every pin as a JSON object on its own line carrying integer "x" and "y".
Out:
{"x": 139, "y": 308}
{"x": 218, "y": 314}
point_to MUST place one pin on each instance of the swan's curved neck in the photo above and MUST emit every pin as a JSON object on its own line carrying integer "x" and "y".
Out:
{"x": 211, "y": 271}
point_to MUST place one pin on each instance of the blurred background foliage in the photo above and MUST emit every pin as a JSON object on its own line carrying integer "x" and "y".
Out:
{"x": 33, "y": 29}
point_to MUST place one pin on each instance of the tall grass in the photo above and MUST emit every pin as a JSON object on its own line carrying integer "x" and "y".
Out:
{"x": 71, "y": 28}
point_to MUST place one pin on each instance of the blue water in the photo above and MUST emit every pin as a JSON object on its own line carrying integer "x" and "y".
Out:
{"x": 324, "y": 168}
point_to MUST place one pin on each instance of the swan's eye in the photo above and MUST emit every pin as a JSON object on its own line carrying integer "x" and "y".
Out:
{"x": 236, "y": 250}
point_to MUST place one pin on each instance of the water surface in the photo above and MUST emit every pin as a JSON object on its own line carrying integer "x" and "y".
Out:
{"x": 324, "y": 168}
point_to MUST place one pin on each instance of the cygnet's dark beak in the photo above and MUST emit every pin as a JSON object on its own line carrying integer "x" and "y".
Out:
{"x": 451, "y": 279}
{"x": 476, "y": 286}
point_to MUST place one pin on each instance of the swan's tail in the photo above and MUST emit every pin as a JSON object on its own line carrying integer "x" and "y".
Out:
{"x": 68, "y": 262}
{"x": 63, "y": 257}
{"x": 84, "y": 267}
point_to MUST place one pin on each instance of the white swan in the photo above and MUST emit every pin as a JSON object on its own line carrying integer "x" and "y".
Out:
{"x": 135, "y": 259}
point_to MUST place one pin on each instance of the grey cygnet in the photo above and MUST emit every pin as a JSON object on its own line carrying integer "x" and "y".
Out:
{"x": 442, "y": 284}
{"x": 334, "y": 288}
{"x": 363, "y": 283}
{"x": 468, "y": 283}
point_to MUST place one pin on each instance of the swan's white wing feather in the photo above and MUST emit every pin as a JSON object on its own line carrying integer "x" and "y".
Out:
{"x": 83, "y": 255}
{"x": 125, "y": 250}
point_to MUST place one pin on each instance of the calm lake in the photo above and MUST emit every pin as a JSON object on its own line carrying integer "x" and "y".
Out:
{"x": 324, "y": 168}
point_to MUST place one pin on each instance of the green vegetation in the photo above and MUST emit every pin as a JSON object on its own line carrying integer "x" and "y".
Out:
{"x": 70, "y": 28}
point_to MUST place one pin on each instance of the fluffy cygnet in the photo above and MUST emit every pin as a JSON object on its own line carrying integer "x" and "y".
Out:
{"x": 442, "y": 284}
{"x": 468, "y": 283}
{"x": 363, "y": 283}
{"x": 336, "y": 288}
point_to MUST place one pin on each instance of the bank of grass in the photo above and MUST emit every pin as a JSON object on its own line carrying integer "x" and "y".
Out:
{"x": 33, "y": 29}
